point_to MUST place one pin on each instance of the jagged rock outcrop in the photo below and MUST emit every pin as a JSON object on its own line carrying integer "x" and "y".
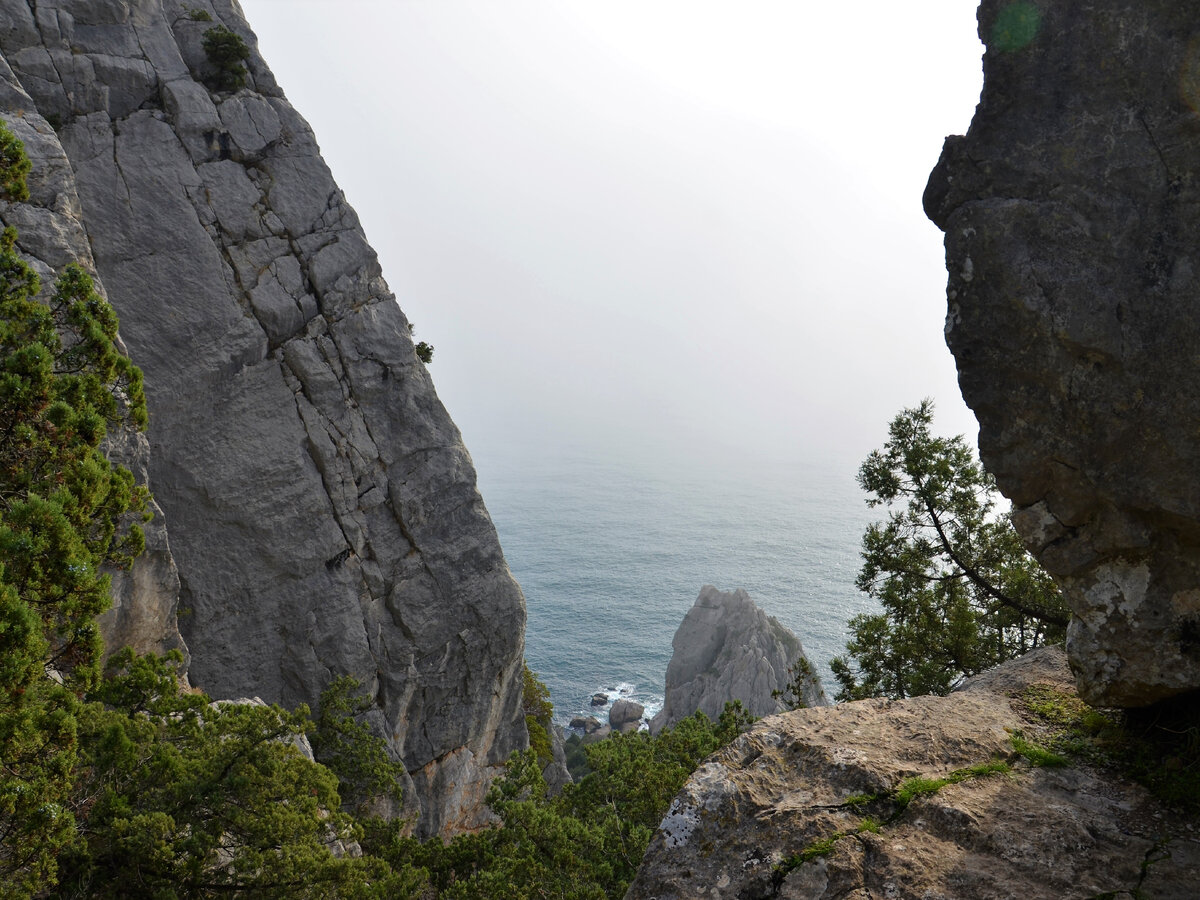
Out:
{"x": 1070, "y": 833}
{"x": 323, "y": 510}
{"x": 726, "y": 648}
{"x": 1071, "y": 210}
{"x": 51, "y": 236}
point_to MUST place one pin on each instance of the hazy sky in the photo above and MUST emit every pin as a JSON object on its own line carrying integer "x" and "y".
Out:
{"x": 648, "y": 223}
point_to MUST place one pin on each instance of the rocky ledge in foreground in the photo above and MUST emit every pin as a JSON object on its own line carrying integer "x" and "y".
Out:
{"x": 811, "y": 804}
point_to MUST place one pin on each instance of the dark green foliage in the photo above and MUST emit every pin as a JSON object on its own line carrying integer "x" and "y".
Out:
{"x": 186, "y": 798}
{"x": 959, "y": 591}
{"x": 227, "y": 52}
{"x": 802, "y": 678}
{"x": 199, "y": 15}
{"x": 424, "y": 351}
{"x": 345, "y": 745}
{"x": 584, "y": 844}
{"x": 535, "y": 703}
{"x": 576, "y": 752}
{"x": 65, "y": 514}
{"x": 14, "y": 167}
{"x": 124, "y": 786}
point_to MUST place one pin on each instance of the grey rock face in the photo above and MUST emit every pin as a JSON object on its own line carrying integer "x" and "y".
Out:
{"x": 1039, "y": 833}
{"x": 727, "y": 649}
{"x": 625, "y": 715}
{"x": 323, "y": 509}
{"x": 52, "y": 235}
{"x": 1070, "y": 210}
{"x": 555, "y": 772}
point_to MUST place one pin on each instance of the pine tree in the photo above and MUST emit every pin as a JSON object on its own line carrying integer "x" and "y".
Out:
{"x": 66, "y": 514}
{"x": 959, "y": 592}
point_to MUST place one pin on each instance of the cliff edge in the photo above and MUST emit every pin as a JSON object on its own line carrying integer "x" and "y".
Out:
{"x": 322, "y": 508}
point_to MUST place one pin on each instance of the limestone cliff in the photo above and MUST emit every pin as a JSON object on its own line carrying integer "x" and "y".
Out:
{"x": 323, "y": 510}
{"x": 1071, "y": 210}
{"x": 725, "y": 649}
{"x": 782, "y": 812}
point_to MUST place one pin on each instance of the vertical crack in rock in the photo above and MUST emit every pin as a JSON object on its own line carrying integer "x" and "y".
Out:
{"x": 1071, "y": 208}
{"x": 323, "y": 511}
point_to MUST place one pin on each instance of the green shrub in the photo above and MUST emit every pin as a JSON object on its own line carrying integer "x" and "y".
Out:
{"x": 347, "y": 747}
{"x": 226, "y": 51}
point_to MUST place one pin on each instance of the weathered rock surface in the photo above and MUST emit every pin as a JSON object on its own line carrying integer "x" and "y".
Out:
{"x": 52, "y": 235}
{"x": 625, "y": 715}
{"x": 1036, "y": 833}
{"x": 555, "y": 772}
{"x": 1071, "y": 210}
{"x": 727, "y": 649}
{"x": 323, "y": 510}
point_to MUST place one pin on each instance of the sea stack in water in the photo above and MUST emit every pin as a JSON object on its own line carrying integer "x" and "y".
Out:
{"x": 727, "y": 649}
{"x": 1071, "y": 211}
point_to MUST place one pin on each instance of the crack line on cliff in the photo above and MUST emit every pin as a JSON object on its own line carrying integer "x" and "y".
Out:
{"x": 1141, "y": 117}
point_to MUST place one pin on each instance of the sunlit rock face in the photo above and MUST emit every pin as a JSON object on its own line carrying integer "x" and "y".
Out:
{"x": 728, "y": 649}
{"x": 782, "y": 812}
{"x": 323, "y": 510}
{"x": 1072, "y": 217}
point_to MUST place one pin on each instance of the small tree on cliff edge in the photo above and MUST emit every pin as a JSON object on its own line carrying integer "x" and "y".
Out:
{"x": 959, "y": 591}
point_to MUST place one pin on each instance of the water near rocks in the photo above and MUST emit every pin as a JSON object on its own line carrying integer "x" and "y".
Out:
{"x": 611, "y": 555}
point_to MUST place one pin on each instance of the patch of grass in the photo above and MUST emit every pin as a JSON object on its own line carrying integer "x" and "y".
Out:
{"x": 1036, "y": 754}
{"x": 912, "y": 788}
{"x": 1158, "y": 747}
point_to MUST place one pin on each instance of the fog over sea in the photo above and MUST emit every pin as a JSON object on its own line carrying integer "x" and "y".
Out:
{"x": 612, "y": 552}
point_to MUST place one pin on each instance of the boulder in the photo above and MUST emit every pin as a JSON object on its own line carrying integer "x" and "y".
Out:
{"x": 597, "y": 734}
{"x": 599, "y": 699}
{"x": 727, "y": 649}
{"x": 1071, "y": 210}
{"x": 782, "y": 811}
{"x": 625, "y": 715}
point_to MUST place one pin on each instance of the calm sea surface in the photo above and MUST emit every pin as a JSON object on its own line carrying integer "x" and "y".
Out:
{"x": 612, "y": 555}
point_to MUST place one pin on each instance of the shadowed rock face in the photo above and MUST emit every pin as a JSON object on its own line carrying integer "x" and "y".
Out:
{"x": 1072, "y": 211}
{"x": 323, "y": 510}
